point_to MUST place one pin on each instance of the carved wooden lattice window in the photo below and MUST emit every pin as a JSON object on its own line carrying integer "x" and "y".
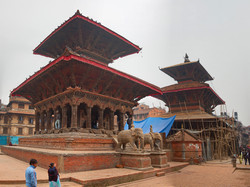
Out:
{"x": 20, "y": 119}
{"x": 31, "y": 107}
{"x": 31, "y": 131}
{"x": 20, "y": 131}
{"x": 31, "y": 121}
{"x": 5, "y": 130}
{"x": 21, "y": 105}
{"x": 6, "y": 119}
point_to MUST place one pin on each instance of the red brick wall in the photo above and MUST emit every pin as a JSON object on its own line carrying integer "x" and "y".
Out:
{"x": 69, "y": 163}
{"x": 190, "y": 150}
{"x": 63, "y": 143}
{"x": 90, "y": 162}
{"x": 43, "y": 159}
{"x": 133, "y": 161}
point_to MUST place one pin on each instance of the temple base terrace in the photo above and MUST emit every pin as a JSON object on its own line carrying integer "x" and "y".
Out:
{"x": 102, "y": 177}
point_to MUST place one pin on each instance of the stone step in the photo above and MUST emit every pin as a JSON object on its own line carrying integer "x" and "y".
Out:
{"x": 159, "y": 174}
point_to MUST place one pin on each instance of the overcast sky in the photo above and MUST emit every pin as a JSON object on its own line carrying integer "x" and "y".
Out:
{"x": 215, "y": 31}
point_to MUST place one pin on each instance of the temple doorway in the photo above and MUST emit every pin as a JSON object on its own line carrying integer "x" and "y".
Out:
{"x": 94, "y": 117}
{"x": 82, "y": 115}
{"x": 68, "y": 108}
{"x": 107, "y": 119}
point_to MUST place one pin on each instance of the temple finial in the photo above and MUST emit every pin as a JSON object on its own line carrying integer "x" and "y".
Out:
{"x": 77, "y": 12}
{"x": 186, "y": 58}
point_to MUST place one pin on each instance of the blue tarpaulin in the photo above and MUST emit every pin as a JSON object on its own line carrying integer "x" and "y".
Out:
{"x": 159, "y": 124}
{"x": 4, "y": 140}
{"x": 14, "y": 139}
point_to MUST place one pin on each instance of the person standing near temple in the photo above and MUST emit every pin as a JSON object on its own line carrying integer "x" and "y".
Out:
{"x": 129, "y": 122}
{"x": 58, "y": 122}
{"x": 245, "y": 155}
{"x": 30, "y": 174}
{"x": 248, "y": 151}
{"x": 54, "y": 180}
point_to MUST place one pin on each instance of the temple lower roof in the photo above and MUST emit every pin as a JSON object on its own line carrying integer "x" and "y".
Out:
{"x": 191, "y": 115}
{"x": 75, "y": 71}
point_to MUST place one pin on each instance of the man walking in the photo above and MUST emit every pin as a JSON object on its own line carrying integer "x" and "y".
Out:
{"x": 30, "y": 174}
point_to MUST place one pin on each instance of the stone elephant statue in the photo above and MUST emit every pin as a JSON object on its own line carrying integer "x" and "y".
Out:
{"x": 130, "y": 136}
{"x": 154, "y": 139}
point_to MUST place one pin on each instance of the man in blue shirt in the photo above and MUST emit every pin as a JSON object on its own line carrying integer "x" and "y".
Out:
{"x": 30, "y": 174}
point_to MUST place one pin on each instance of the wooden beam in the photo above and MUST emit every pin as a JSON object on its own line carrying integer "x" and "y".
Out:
{"x": 85, "y": 75}
{"x": 108, "y": 85}
{"x": 55, "y": 81}
{"x": 63, "y": 78}
{"x": 98, "y": 80}
{"x": 72, "y": 75}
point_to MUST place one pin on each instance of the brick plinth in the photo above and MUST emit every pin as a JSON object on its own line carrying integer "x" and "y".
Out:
{"x": 183, "y": 151}
{"x": 159, "y": 159}
{"x": 68, "y": 142}
{"x": 138, "y": 161}
{"x": 67, "y": 161}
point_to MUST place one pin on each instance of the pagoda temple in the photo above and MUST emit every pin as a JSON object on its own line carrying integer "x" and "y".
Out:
{"x": 78, "y": 88}
{"x": 191, "y": 92}
{"x": 77, "y": 97}
{"x": 193, "y": 101}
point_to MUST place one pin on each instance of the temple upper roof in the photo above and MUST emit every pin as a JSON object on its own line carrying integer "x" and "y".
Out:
{"x": 86, "y": 38}
{"x": 188, "y": 71}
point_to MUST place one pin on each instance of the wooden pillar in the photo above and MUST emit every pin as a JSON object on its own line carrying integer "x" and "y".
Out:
{"x": 122, "y": 120}
{"x": 80, "y": 117}
{"x": 37, "y": 122}
{"x": 49, "y": 121}
{"x": 112, "y": 113}
{"x": 42, "y": 122}
{"x": 74, "y": 116}
{"x": 100, "y": 119}
{"x": 88, "y": 120}
{"x": 54, "y": 119}
{"x": 64, "y": 117}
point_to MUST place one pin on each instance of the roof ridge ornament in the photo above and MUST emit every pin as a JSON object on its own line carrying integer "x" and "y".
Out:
{"x": 78, "y": 12}
{"x": 186, "y": 58}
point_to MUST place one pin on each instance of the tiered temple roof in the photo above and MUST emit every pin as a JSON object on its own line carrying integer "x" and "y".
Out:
{"x": 191, "y": 92}
{"x": 82, "y": 49}
{"x": 188, "y": 71}
{"x": 87, "y": 38}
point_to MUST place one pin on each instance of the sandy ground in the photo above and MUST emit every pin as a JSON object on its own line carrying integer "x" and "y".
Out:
{"x": 64, "y": 184}
{"x": 206, "y": 175}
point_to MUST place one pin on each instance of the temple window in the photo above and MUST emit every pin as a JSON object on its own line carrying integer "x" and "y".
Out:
{"x": 5, "y": 130}
{"x": 31, "y": 107}
{"x": 20, "y": 131}
{"x": 21, "y": 105}
{"x": 30, "y": 131}
{"x": 6, "y": 119}
{"x": 31, "y": 120}
{"x": 20, "y": 119}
